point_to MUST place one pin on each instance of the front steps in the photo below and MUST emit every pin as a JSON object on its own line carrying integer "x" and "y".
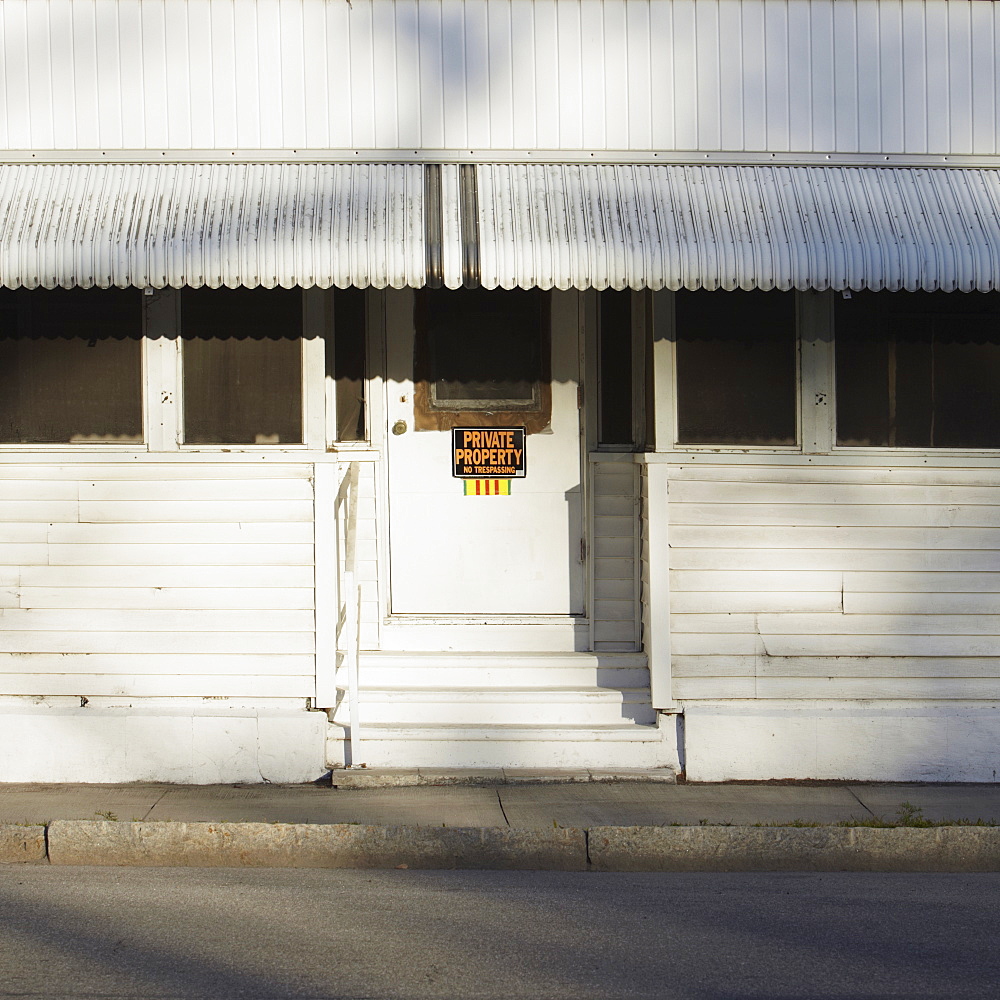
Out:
{"x": 504, "y": 710}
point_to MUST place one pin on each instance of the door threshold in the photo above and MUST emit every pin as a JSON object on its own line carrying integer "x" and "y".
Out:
{"x": 469, "y": 634}
{"x": 393, "y": 621}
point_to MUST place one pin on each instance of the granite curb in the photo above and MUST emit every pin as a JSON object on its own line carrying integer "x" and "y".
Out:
{"x": 599, "y": 848}
{"x": 813, "y": 849}
{"x": 20, "y": 844}
{"x": 335, "y": 845}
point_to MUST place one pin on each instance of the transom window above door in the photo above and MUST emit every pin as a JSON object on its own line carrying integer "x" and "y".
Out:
{"x": 481, "y": 358}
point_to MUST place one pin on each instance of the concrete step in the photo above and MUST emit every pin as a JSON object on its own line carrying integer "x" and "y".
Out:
{"x": 455, "y": 671}
{"x": 534, "y": 706}
{"x": 608, "y": 747}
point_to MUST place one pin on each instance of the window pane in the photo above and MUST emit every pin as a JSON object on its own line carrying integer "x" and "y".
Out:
{"x": 71, "y": 366}
{"x": 736, "y": 368}
{"x": 614, "y": 382}
{"x": 242, "y": 365}
{"x": 482, "y": 350}
{"x": 348, "y": 368}
{"x": 918, "y": 370}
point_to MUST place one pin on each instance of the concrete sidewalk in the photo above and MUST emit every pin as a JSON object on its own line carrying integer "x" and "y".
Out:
{"x": 526, "y": 806}
{"x": 609, "y": 825}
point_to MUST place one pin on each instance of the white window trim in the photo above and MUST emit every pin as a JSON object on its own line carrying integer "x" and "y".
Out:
{"x": 816, "y": 406}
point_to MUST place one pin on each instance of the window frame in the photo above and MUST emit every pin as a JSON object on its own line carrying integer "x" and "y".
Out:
{"x": 161, "y": 388}
{"x": 816, "y": 410}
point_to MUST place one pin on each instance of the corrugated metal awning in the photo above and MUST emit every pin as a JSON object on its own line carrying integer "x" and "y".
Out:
{"x": 546, "y": 225}
{"x": 174, "y": 224}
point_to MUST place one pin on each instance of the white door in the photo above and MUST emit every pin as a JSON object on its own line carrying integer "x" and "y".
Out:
{"x": 475, "y": 357}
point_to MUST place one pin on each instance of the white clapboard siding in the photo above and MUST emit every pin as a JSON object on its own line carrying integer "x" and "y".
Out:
{"x": 235, "y": 510}
{"x": 857, "y": 76}
{"x": 177, "y": 533}
{"x": 834, "y": 583}
{"x": 144, "y": 685}
{"x": 190, "y": 554}
{"x": 164, "y": 598}
{"x": 841, "y": 515}
{"x": 837, "y": 666}
{"x": 215, "y": 577}
{"x": 157, "y": 664}
{"x": 614, "y": 484}
{"x": 157, "y": 579}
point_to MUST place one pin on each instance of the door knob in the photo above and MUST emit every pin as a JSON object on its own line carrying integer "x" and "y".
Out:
{"x": 399, "y": 427}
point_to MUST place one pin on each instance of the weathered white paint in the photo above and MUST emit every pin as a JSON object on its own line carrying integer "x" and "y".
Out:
{"x": 614, "y": 553}
{"x": 799, "y": 590}
{"x": 551, "y": 226}
{"x": 157, "y": 225}
{"x": 839, "y": 739}
{"x": 851, "y": 76}
{"x": 55, "y": 739}
{"x": 452, "y": 554}
{"x": 148, "y": 580}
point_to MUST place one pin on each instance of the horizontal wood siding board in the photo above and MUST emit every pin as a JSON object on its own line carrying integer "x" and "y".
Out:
{"x": 738, "y": 581}
{"x": 128, "y": 620}
{"x": 101, "y": 511}
{"x": 225, "y": 490}
{"x": 921, "y": 604}
{"x": 206, "y": 641}
{"x": 614, "y": 569}
{"x": 797, "y": 601}
{"x": 882, "y": 474}
{"x": 167, "y": 598}
{"x": 812, "y": 537}
{"x": 132, "y": 554}
{"x": 35, "y": 511}
{"x": 181, "y": 533}
{"x": 215, "y": 576}
{"x": 841, "y": 515}
{"x": 917, "y": 582}
{"x": 164, "y": 664}
{"x": 38, "y": 489}
{"x": 824, "y": 494}
{"x": 613, "y": 590}
{"x": 138, "y": 685}
{"x": 606, "y": 610}
{"x": 616, "y": 527}
{"x": 836, "y": 666}
{"x": 837, "y": 624}
{"x": 614, "y": 506}
{"x": 829, "y": 559}
{"x": 231, "y": 468}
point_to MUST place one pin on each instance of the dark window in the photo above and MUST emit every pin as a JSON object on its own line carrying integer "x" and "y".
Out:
{"x": 70, "y": 366}
{"x": 736, "y": 368}
{"x": 614, "y": 378}
{"x": 482, "y": 357}
{"x": 242, "y": 365}
{"x": 347, "y": 364}
{"x": 918, "y": 370}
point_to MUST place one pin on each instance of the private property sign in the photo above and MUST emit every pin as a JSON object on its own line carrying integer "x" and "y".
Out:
{"x": 488, "y": 452}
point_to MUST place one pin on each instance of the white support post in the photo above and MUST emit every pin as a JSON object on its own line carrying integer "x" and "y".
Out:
{"x": 815, "y": 325}
{"x": 161, "y": 371}
{"x": 327, "y": 581}
{"x": 656, "y": 584}
{"x": 656, "y": 515}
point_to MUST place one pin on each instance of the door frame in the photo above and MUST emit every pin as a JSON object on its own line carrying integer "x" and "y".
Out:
{"x": 562, "y": 633}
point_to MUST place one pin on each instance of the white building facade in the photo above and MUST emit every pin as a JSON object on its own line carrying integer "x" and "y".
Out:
{"x": 499, "y": 383}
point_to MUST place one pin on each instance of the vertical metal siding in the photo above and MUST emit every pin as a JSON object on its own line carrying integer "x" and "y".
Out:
{"x": 850, "y": 76}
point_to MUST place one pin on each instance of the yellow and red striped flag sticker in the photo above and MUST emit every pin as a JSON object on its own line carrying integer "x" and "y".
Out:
{"x": 487, "y": 487}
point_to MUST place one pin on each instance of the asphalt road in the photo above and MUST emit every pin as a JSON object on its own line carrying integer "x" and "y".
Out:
{"x": 100, "y": 933}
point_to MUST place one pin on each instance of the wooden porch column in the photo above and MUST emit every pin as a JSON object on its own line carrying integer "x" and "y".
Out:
{"x": 655, "y": 519}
